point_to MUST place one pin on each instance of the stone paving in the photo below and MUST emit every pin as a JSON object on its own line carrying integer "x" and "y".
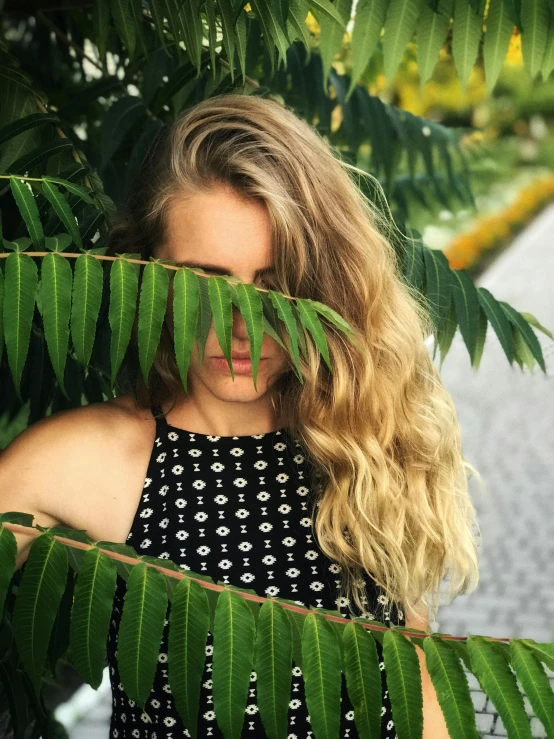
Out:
{"x": 507, "y": 422}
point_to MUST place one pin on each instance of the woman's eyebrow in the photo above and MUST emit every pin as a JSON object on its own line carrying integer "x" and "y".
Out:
{"x": 219, "y": 270}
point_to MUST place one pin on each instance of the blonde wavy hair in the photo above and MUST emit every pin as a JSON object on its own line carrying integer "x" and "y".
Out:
{"x": 381, "y": 431}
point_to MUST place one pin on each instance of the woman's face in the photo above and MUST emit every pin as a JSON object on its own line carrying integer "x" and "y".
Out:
{"x": 231, "y": 234}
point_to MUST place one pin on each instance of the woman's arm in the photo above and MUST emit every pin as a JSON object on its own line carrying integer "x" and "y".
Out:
{"x": 434, "y": 725}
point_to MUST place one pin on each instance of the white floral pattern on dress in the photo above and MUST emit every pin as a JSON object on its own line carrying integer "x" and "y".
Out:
{"x": 233, "y": 494}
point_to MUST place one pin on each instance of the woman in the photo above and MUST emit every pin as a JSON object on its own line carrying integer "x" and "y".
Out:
{"x": 347, "y": 490}
{"x": 240, "y": 186}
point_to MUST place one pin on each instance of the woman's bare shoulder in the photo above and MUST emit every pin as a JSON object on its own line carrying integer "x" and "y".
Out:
{"x": 110, "y": 426}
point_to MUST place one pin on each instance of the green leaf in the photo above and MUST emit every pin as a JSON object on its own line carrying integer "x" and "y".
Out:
{"x": 39, "y": 155}
{"x": 533, "y": 678}
{"x": 447, "y": 333}
{"x": 451, "y": 686}
{"x": 497, "y": 38}
{"x": 544, "y": 652}
{"x": 57, "y": 280}
{"x": 337, "y": 319}
{"x": 514, "y": 6}
{"x": 1, "y": 314}
{"x": 204, "y": 317}
{"x": 122, "y": 310}
{"x": 21, "y": 278}
{"x": 62, "y": 210}
{"x": 212, "y": 34}
{"x": 271, "y": 28}
{"x": 219, "y": 293}
{"x": 251, "y": 308}
{"x": 241, "y": 29}
{"x": 530, "y": 318}
{"x": 404, "y": 684}
{"x": 534, "y": 17}
{"x": 26, "y": 203}
{"x": 169, "y": 9}
{"x": 38, "y": 597}
{"x": 331, "y": 35}
{"x": 466, "y": 34}
{"x": 23, "y": 519}
{"x": 400, "y": 23}
{"x": 72, "y": 188}
{"x": 526, "y": 332}
{"x": 228, "y": 32}
{"x": 498, "y": 319}
{"x": 233, "y": 656}
{"x": 177, "y": 80}
{"x": 25, "y": 124}
{"x": 119, "y": 119}
{"x": 192, "y": 31}
{"x": 327, "y": 9}
{"x": 273, "y": 668}
{"x": 284, "y": 311}
{"x": 368, "y": 23}
{"x": 298, "y": 10}
{"x": 135, "y": 9}
{"x": 123, "y": 568}
{"x": 297, "y": 626}
{"x": 58, "y": 243}
{"x": 310, "y": 320}
{"x": 482, "y": 327}
{"x": 438, "y": 285}
{"x": 140, "y": 631}
{"x": 363, "y": 679}
{"x": 321, "y": 669}
{"x": 547, "y": 64}
{"x": 152, "y": 308}
{"x": 91, "y": 613}
{"x": 413, "y": 265}
{"x": 124, "y": 24}
{"x": 86, "y": 300}
{"x": 8, "y": 560}
{"x": 189, "y": 621}
{"x": 100, "y": 26}
{"x": 431, "y": 31}
{"x": 466, "y": 301}
{"x": 158, "y": 9}
{"x": 186, "y": 294}
{"x": 499, "y": 683}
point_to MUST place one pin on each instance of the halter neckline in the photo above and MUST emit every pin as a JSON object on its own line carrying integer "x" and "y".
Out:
{"x": 156, "y": 408}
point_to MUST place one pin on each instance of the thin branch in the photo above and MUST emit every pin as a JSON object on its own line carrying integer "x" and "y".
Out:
{"x": 5, "y": 254}
{"x": 21, "y": 529}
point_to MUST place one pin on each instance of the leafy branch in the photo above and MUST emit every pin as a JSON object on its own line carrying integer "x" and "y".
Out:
{"x": 250, "y": 630}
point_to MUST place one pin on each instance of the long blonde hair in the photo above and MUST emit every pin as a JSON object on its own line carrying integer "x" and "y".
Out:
{"x": 381, "y": 431}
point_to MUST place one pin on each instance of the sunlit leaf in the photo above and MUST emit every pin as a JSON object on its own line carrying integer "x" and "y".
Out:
{"x": 273, "y": 668}
{"x": 140, "y": 631}
{"x": 152, "y": 308}
{"x": 189, "y": 621}
{"x": 86, "y": 300}
{"x": 233, "y": 657}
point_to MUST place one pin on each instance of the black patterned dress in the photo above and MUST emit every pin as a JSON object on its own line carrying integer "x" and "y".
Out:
{"x": 236, "y": 508}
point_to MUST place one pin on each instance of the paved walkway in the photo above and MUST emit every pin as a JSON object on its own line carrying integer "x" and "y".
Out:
{"x": 507, "y": 422}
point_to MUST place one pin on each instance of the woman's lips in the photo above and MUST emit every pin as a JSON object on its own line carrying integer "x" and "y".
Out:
{"x": 240, "y": 366}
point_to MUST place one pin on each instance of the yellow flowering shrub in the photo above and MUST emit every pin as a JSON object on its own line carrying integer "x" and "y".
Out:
{"x": 493, "y": 231}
